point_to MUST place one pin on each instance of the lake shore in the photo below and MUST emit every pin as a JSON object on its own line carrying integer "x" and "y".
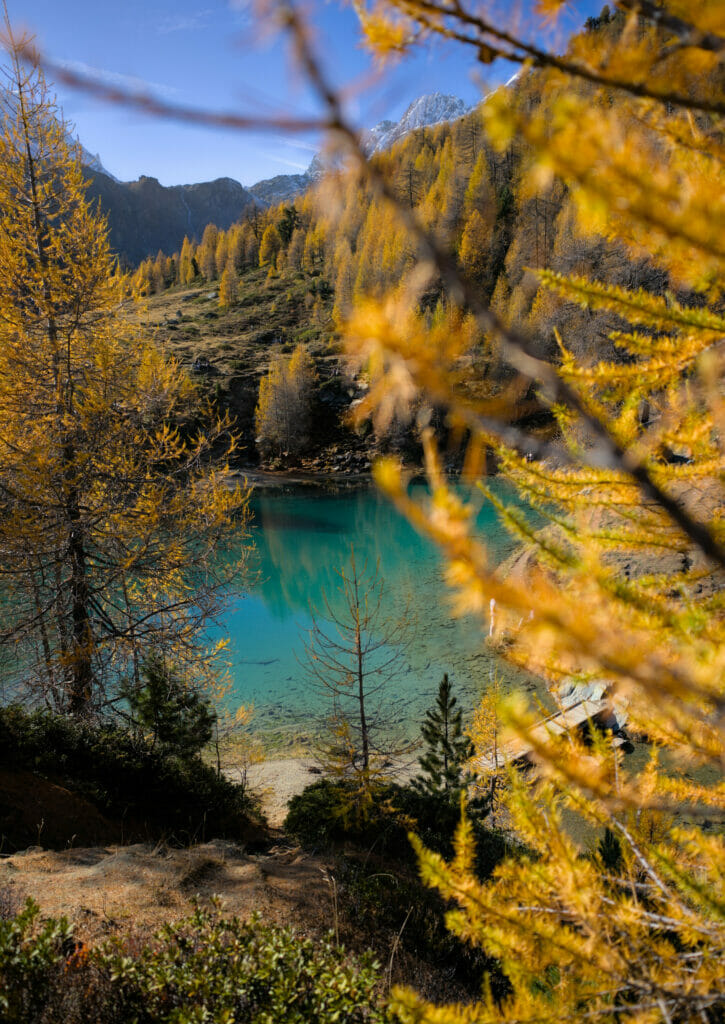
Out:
{"x": 270, "y": 479}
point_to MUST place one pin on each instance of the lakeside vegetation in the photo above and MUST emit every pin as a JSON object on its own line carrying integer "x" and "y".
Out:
{"x": 469, "y": 303}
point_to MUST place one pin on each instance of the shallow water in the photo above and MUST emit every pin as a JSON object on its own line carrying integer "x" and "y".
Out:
{"x": 302, "y": 537}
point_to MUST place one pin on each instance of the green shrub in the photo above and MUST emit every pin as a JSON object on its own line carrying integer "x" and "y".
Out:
{"x": 316, "y": 819}
{"x": 154, "y": 792}
{"x": 177, "y": 716}
{"x": 204, "y": 968}
{"x": 31, "y": 958}
{"x": 209, "y": 968}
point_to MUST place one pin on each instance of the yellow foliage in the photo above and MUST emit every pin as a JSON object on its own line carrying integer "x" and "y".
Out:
{"x": 623, "y": 587}
{"x": 109, "y": 518}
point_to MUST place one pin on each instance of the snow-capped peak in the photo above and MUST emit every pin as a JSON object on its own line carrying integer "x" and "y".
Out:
{"x": 433, "y": 108}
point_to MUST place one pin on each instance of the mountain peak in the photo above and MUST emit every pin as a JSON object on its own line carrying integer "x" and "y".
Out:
{"x": 429, "y": 109}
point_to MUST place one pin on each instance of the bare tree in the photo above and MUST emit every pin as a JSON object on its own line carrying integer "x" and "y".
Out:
{"x": 353, "y": 652}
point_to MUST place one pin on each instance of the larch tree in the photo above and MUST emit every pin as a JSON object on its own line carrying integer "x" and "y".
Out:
{"x": 221, "y": 253}
{"x": 353, "y": 654}
{"x": 624, "y": 587}
{"x": 207, "y": 252}
{"x": 229, "y": 285}
{"x": 110, "y": 506}
{"x": 282, "y": 416}
{"x": 188, "y": 268}
{"x": 473, "y": 251}
{"x": 269, "y": 247}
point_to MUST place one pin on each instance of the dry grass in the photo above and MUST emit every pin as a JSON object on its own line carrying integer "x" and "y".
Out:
{"x": 121, "y": 889}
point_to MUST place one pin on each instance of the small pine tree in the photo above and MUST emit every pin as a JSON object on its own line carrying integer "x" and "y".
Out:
{"x": 177, "y": 716}
{"x": 448, "y": 748}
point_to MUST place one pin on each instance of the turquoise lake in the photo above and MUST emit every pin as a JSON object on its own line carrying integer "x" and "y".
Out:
{"x": 301, "y": 536}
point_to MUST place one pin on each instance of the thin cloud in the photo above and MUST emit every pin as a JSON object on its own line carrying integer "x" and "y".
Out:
{"x": 185, "y": 22}
{"x": 307, "y": 146}
{"x": 241, "y": 7}
{"x": 287, "y": 163}
{"x": 116, "y": 78}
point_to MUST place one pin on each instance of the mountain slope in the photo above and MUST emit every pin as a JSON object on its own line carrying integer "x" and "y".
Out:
{"x": 145, "y": 216}
{"x": 432, "y": 108}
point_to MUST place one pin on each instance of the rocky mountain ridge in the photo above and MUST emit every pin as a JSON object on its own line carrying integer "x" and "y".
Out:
{"x": 145, "y": 216}
{"x": 428, "y": 110}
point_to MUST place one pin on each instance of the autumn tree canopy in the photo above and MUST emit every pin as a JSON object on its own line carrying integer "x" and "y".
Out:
{"x": 111, "y": 506}
{"x": 623, "y": 589}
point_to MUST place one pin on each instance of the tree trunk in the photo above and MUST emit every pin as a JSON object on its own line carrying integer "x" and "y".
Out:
{"x": 361, "y": 698}
{"x": 81, "y": 667}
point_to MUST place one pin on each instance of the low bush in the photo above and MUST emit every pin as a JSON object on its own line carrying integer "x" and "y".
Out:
{"x": 379, "y": 890}
{"x": 31, "y": 959}
{"x": 210, "y": 968}
{"x": 317, "y": 819}
{"x": 154, "y": 792}
{"x": 205, "y": 967}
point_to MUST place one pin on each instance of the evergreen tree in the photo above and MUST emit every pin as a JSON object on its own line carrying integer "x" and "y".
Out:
{"x": 287, "y": 223}
{"x": 447, "y": 747}
{"x": 176, "y": 714}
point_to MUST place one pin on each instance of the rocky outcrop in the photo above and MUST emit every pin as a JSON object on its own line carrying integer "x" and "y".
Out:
{"x": 145, "y": 216}
{"x": 433, "y": 108}
{"x": 281, "y": 188}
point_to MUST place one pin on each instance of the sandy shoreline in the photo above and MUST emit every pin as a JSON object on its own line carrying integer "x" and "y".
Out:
{"x": 276, "y": 780}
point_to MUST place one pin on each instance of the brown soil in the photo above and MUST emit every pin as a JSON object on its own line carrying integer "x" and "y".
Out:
{"x": 36, "y": 811}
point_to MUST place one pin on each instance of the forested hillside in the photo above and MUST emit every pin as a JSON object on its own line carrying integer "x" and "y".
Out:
{"x": 340, "y": 244}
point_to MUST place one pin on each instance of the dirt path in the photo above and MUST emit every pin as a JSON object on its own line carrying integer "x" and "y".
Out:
{"x": 277, "y": 780}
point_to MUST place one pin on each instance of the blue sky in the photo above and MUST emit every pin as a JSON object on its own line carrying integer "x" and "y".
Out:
{"x": 211, "y": 53}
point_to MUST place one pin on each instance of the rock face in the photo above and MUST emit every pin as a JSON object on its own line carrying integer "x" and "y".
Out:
{"x": 145, "y": 216}
{"x": 93, "y": 161}
{"x": 434, "y": 108}
{"x": 280, "y": 188}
